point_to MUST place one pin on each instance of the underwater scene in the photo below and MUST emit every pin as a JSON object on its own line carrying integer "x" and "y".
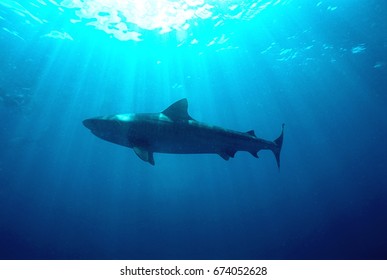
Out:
{"x": 152, "y": 129}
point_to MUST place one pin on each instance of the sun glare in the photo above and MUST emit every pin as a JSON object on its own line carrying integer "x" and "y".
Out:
{"x": 129, "y": 19}
{"x": 125, "y": 19}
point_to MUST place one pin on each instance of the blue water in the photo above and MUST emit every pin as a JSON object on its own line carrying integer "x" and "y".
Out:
{"x": 317, "y": 66}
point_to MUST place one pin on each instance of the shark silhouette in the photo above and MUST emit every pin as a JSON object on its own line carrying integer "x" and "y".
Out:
{"x": 174, "y": 131}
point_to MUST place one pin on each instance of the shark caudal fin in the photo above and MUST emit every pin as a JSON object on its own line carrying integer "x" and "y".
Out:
{"x": 278, "y": 146}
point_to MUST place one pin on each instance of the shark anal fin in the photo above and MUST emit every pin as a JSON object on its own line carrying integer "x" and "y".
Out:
{"x": 178, "y": 111}
{"x": 254, "y": 154}
{"x": 144, "y": 155}
{"x": 231, "y": 153}
{"x": 224, "y": 155}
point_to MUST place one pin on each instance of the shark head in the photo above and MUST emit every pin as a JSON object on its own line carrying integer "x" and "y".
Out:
{"x": 91, "y": 123}
{"x": 108, "y": 128}
{"x": 99, "y": 127}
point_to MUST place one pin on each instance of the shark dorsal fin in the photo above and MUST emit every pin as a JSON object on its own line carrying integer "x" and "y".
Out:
{"x": 178, "y": 111}
{"x": 251, "y": 132}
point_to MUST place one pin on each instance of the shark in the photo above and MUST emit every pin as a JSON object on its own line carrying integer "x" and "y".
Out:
{"x": 174, "y": 131}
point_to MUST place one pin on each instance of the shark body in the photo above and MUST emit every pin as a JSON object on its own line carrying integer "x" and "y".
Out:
{"x": 174, "y": 131}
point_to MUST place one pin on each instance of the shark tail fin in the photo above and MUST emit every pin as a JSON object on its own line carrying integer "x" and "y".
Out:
{"x": 278, "y": 146}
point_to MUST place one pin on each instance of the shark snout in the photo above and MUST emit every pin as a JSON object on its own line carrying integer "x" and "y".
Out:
{"x": 98, "y": 125}
{"x": 94, "y": 123}
{"x": 89, "y": 123}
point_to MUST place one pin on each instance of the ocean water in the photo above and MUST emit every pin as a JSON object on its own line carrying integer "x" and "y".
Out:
{"x": 317, "y": 66}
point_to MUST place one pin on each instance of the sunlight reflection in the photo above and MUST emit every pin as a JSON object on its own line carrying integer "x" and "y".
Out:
{"x": 125, "y": 19}
{"x": 115, "y": 17}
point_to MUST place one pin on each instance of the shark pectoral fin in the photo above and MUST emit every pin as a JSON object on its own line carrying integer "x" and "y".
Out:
{"x": 144, "y": 155}
{"x": 227, "y": 154}
{"x": 224, "y": 155}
